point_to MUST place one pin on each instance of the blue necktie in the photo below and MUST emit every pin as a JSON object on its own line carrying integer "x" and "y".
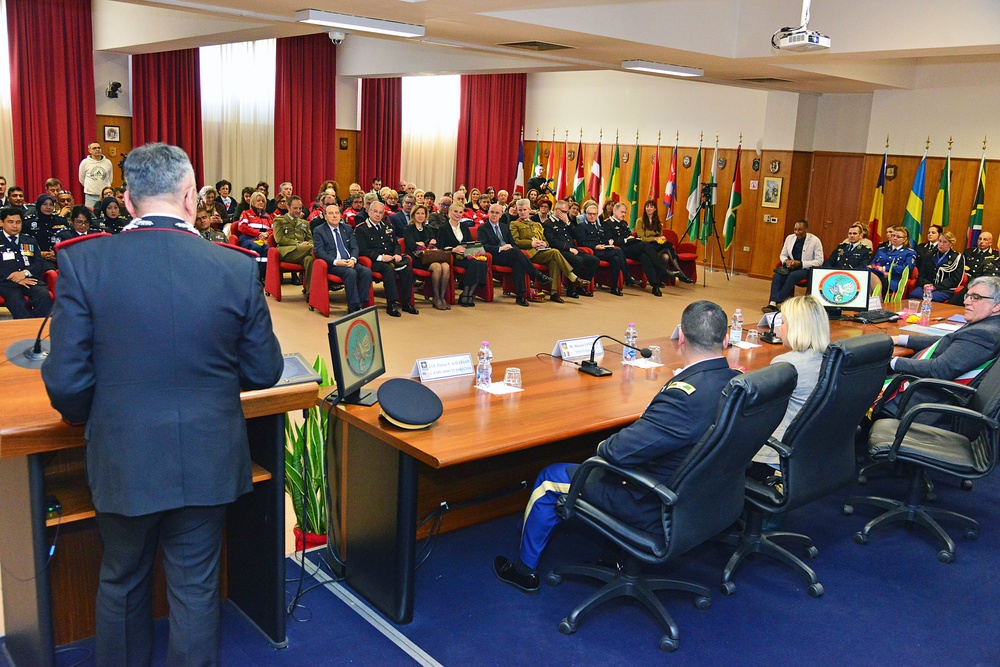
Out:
{"x": 341, "y": 248}
{"x": 496, "y": 228}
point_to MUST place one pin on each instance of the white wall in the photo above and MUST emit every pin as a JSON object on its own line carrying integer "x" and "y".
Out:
{"x": 348, "y": 102}
{"x": 842, "y": 123}
{"x": 110, "y": 67}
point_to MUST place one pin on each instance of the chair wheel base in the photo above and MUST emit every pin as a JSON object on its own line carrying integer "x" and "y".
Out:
{"x": 727, "y": 588}
{"x": 860, "y": 538}
{"x": 566, "y": 627}
{"x": 669, "y": 644}
{"x": 946, "y": 556}
{"x": 972, "y": 534}
{"x": 862, "y": 480}
{"x": 553, "y": 579}
{"x": 966, "y": 485}
{"x": 816, "y": 590}
{"x": 703, "y": 603}
{"x": 847, "y": 510}
{"x": 812, "y": 552}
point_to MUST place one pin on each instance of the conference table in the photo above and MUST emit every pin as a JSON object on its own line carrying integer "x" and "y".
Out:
{"x": 48, "y": 599}
{"x": 479, "y": 460}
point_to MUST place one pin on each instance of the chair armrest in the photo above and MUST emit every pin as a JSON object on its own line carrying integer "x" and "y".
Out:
{"x": 784, "y": 451}
{"x": 585, "y": 250}
{"x": 666, "y": 496}
{"x": 365, "y": 261}
{"x": 946, "y": 387}
{"x": 936, "y": 408}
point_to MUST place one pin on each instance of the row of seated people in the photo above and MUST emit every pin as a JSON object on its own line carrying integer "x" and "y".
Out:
{"x": 933, "y": 266}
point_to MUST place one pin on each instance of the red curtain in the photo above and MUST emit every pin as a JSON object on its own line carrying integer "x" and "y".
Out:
{"x": 166, "y": 103}
{"x": 305, "y": 109}
{"x": 492, "y": 106}
{"x": 52, "y": 91}
{"x": 381, "y": 131}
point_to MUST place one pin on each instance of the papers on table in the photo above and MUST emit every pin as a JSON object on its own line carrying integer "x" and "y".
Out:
{"x": 743, "y": 345}
{"x": 926, "y": 331}
{"x": 642, "y": 363}
{"x": 499, "y": 388}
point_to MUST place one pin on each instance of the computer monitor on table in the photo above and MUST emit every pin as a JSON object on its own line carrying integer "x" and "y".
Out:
{"x": 840, "y": 289}
{"x": 356, "y": 351}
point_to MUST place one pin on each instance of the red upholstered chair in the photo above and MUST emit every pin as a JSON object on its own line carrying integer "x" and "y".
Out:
{"x": 319, "y": 288}
{"x": 603, "y": 276}
{"x": 275, "y": 270}
{"x": 50, "y": 278}
{"x": 687, "y": 254}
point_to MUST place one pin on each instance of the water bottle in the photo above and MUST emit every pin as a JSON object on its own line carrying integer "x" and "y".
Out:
{"x": 631, "y": 338}
{"x": 736, "y": 331}
{"x": 484, "y": 369}
{"x": 925, "y": 305}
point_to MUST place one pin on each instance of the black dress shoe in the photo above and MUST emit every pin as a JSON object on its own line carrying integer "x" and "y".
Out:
{"x": 465, "y": 301}
{"x": 544, "y": 279}
{"x": 410, "y": 309}
{"x": 555, "y": 298}
{"x": 572, "y": 292}
{"x": 683, "y": 277}
{"x": 585, "y": 292}
{"x": 656, "y": 291}
{"x": 631, "y": 282}
{"x": 296, "y": 279}
{"x": 392, "y": 310}
{"x": 521, "y": 301}
{"x": 616, "y": 291}
{"x": 507, "y": 572}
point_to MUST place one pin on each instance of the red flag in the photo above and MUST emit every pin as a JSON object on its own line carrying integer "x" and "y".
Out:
{"x": 670, "y": 195}
{"x": 654, "y": 179}
{"x": 594, "y": 182}
{"x": 561, "y": 180}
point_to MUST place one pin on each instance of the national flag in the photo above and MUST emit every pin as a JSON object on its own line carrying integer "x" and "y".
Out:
{"x": 561, "y": 178}
{"x": 613, "y": 190}
{"x": 878, "y": 201}
{"x": 914, "y": 217}
{"x": 976, "y": 217}
{"x": 735, "y": 199}
{"x": 694, "y": 198}
{"x": 579, "y": 183}
{"x": 550, "y": 167}
{"x": 632, "y": 194}
{"x": 594, "y": 181}
{"x": 519, "y": 173}
{"x": 670, "y": 192}
{"x": 713, "y": 179}
{"x": 942, "y": 204}
{"x": 538, "y": 154}
{"x": 653, "y": 193}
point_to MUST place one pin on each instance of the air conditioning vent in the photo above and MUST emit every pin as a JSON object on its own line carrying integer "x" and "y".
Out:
{"x": 536, "y": 46}
{"x": 764, "y": 79}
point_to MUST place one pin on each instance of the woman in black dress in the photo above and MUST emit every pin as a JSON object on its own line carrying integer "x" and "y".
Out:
{"x": 419, "y": 238}
{"x": 453, "y": 237}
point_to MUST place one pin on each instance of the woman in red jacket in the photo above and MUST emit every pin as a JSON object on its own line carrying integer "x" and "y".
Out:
{"x": 255, "y": 230}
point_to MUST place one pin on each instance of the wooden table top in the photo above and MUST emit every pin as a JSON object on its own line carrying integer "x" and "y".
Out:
{"x": 557, "y": 402}
{"x": 30, "y": 425}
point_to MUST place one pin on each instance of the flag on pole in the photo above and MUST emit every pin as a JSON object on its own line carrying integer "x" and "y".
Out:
{"x": 735, "y": 199}
{"x": 613, "y": 190}
{"x": 519, "y": 173}
{"x": 579, "y": 183}
{"x": 561, "y": 178}
{"x": 594, "y": 181}
{"x": 878, "y": 201}
{"x": 653, "y": 193}
{"x": 670, "y": 192}
{"x": 942, "y": 204}
{"x": 976, "y": 217}
{"x": 632, "y": 195}
{"x": 914, "y": 217}
{"x": 550, "y": 167}
{"x": 713, "y": 179}
{"x": 694, "y": 198}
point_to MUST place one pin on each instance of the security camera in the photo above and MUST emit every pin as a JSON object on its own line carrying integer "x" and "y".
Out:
{"x": 337, "y": 37}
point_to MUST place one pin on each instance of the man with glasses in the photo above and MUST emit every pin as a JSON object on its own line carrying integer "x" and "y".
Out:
{"x": 590, "y": 234}
{"x": 559, "y": 234}
{"x": 95, "y": 172}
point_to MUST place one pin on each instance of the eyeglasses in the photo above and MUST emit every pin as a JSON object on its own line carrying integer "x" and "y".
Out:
{"x": 976, "y": 298}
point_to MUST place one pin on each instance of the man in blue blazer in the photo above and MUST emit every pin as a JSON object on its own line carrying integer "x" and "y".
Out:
{"x": 154, "y": 362}
{"x": 334, "y": 243}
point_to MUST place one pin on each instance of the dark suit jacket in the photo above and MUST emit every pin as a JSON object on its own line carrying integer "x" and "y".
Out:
{"x": 488, "y": 237}
{"x": 589, "y": 236}
{"x": 398, "y": 222}
{"x": 957, "y": 353}
{"x": 325, "y": 246}
{"x": 373, "y": 242}
{"x": 27, "y": 256}
{"x": 154, "y": 363}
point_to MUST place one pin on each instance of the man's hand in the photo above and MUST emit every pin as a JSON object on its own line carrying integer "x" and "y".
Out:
{"x": 505, "y": 246}
{"x": 574, "y": 251}
{"x": 49, "y": 255}
{"x": 537, "y": 243}
{"x": 397, "y": 258}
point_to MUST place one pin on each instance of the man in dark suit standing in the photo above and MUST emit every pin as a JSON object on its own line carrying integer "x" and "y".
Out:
{"x": 21, "y": 269}
{"x": 375, "y": 241}
{"x": 495, "y": 236}
{"x": 154, "y": 365}
{"x": 333, "y": 242}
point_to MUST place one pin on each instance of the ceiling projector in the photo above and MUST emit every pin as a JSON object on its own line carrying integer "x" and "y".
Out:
{"x": 800, "y": 39}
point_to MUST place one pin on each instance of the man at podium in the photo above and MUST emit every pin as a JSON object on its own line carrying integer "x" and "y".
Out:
{"x": 154, "y": 363}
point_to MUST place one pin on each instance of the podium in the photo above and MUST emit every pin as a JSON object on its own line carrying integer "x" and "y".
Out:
{"x": 50, "y": 600}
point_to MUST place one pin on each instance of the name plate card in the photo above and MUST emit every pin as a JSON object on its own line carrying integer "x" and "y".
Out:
{"x": 577, "y": 348}
{"x": 440, "y": 368}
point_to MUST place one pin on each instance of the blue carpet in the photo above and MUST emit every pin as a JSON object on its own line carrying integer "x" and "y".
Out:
{"x": 887, "y": 603}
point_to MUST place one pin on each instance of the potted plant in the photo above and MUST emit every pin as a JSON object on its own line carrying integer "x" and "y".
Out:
{"x": 306, "y": 443}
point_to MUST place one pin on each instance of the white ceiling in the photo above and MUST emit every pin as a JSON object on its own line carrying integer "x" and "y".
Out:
{"x": 877, "y": 44}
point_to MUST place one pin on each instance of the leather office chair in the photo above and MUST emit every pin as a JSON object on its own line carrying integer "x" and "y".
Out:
{"x": 968, "y": 450}
{"x": 702, "y": 498}
{"x": 816, "y": 452}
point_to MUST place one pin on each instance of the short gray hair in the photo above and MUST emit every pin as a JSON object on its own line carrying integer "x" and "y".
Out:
{"x": 156, "y": 170}
{"x": 522, "y": 202}
{"x": 992, "y": 283}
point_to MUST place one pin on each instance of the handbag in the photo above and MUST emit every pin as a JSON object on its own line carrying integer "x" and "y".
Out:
{"x": 433, "y": 255}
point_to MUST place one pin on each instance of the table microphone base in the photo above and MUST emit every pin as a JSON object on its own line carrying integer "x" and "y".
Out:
{"x": 21, "y": 353}
{"x": 770, "y": 337}
{"x": 591, "y": 368}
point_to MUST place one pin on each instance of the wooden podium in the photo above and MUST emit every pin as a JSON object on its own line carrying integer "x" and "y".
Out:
{"x": 50, "y": 600}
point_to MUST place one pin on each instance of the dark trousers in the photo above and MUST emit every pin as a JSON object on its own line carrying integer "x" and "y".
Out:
{"x": 357, "y": 283}
{"x": 783, "y": 286}
{"x": 585, "y": 266}
{"x": 648, "y": 256}
{"x": 191, "y": 538}
{"x": 475, "y": 273}
{"x": 389, "y": 275}
{"x": 249, "y": 243}
{"x": 615, "y": 257}
{"x": 38, "y": 297}
{"x": 519, "y": 263}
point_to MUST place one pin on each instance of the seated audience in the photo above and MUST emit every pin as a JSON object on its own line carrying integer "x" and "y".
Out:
{"x": 440, "y": 218}
{"x": 929, "y": 246}
{"x": 891, "y": 262}
{"x": 656, "y": 444}
{"x": 649, "y": 230}
{"x": 419, "y": 239}
{"x": 375, "y": 241}
{"x": 496, "y": 238}
{"x": 209, "y": 200}
{"x": 982, "y": 260}
{"x": 401, "y": 219}
{"x": 21, "y": 269}
{"x": 53, "y": 186}
{"x": 203, "y": 223}
{"x": 559, "y": 235}
{"x": 244, "y": 203}
{"x": 590, "y": 234}
{"x": 114, "y": 218}
{"x": 942, "y": 270}
{"x": 294, "y": 240}
{"x": 80, "y": 221}
{"x": 64, "y": 204}
{"x": 647, "y": 254}
{"x": 254, "y": 229}
{"x": 225, "y": 188}
{"x": 530, "y": 237}
{"x": 852, "y": 253}
{"x": 334, "y": 243}
{"x": 42, "y": 226}
{"x": 105, "y": 193}
{"x": 800, "y": 252}
{"x": 454, "y": 236}
{"x": 15, "y": 200}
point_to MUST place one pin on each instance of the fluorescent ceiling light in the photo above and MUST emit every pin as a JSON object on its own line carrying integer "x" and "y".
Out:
{"x": 661, "y": 68}
{"x": 358, "y": 23}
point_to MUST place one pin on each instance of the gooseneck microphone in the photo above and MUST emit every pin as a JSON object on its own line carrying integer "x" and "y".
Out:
{"x": 769, "y": 336}
{"x": 30, "y": 352}
{"x": 590, "y": 367}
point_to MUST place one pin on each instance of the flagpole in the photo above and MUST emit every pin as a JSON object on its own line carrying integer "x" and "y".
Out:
{"x": 732, "y": 252}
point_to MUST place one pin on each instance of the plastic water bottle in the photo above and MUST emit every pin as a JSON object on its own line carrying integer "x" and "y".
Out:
{"x": 736, "y": 331}
{"x": 631, "y": 338}
{"x": 484, "y": 369}
{"x": 925, "y": 305}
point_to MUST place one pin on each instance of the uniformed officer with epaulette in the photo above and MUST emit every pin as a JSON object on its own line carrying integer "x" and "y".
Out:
{"x": 559, "y": 234}
{"x": 21, "y": 269}
{"x": 656, "y": 444}
{"x": 982, "y": 260}
{"x": 852, "y": 253}
{"x": 44, "y": 226}
{"x": 375, "y": 240}
{"x": 293, "y": 236}
{"x": 203, "y": 223}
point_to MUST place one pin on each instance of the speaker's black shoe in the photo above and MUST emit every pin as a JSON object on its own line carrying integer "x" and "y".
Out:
{"x": 656, "y": 291}
{"x": 410, "y": 309}
{"x": 506, "y": 571}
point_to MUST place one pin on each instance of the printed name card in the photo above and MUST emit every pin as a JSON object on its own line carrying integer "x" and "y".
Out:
{"x": 577, "y": 348}
{"x": 440, "y": 368}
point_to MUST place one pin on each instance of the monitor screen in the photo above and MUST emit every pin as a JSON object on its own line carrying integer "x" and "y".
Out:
{"x": 356, "y": 351}
{"x": 840, "y": 289}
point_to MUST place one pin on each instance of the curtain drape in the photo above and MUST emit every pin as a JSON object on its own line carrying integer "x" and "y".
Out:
{"x": 52, "y": 90}
{"x": 430, "y": 131}
{"x": 489, "y": 129}
{"x": 6, "y": 120}
{"x": 237, "y": 112}
{"x": 305, "y": 112}
{"x": 166, "y": 103}
{"x": 381, "y": 131}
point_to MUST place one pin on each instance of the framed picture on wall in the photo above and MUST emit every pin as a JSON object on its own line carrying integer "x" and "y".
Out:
{"x": 112, "y": 133}
{"x": 772, "y": 192}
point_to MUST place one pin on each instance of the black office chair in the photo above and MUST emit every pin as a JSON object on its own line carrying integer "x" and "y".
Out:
{"x": 816, "y": 452}
{"x": 967, "y": 450}
{"x": 703, "y": 497}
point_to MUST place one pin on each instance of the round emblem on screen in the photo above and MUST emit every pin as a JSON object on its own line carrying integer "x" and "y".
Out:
{"x": 838, "y": 288}
{"x": 360, "y": 344}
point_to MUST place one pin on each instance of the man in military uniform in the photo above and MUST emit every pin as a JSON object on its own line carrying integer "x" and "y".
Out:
{"x": 656, "y": 444}
{"x": 44, "y": 226}
{"x": 21, "y": 269}
{"x": 495, "y": 236}
{"x": 590, "y": 234}
{"x": 203, "y": 223}
{"x": 852, "y": 253}
{"x": 15, "y": 200}
{"x": 530, "y": 237}
{"x": 294, "y": 239}
{"x": 375, "y": 240}
{"x": 979, "y": 261}
{"x": 560, "y": 237}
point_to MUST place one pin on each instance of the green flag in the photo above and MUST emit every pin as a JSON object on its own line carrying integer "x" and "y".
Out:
{"x": 633, "y": 187}
{"x": 914, "y": 216}
{"x": 694, "y": 198}
{"x": 735, "y": 199}
{"x": 942, "y": 205}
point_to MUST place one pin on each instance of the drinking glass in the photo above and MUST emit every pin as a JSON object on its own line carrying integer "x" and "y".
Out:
{"x": 656, "y": 357}
{"x": 512, "y": 377}
{"x": 753, "y": 336}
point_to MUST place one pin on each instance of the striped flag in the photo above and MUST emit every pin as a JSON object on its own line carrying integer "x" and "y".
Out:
{"x": 561, "y": 178}
{"x": 735, "y": 199}
{"x": 594, "y": 181}
{"x": 713, "y": 179}
{"x": 653, "y": 193}
{"x": 579, "y": 183}
{"x": 550, "y": 167}
{"x": 613, "y": 190}
{"x": 913, "y": 219}
{"x": 942, "y": 205}
{"x": 670, "y": 192}
{"x": 976, "y": 216}
{"x": 632, "y": 194}
{"x": 519, "y": 173}
{"x": 694, "y": 198}
{"x": 878, "y": 201}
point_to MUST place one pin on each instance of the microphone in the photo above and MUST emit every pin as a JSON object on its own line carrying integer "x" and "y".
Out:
{"x": 590, "y": 367}
{"x": 30, "y": 353}
{"x": 769, "y": 336}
